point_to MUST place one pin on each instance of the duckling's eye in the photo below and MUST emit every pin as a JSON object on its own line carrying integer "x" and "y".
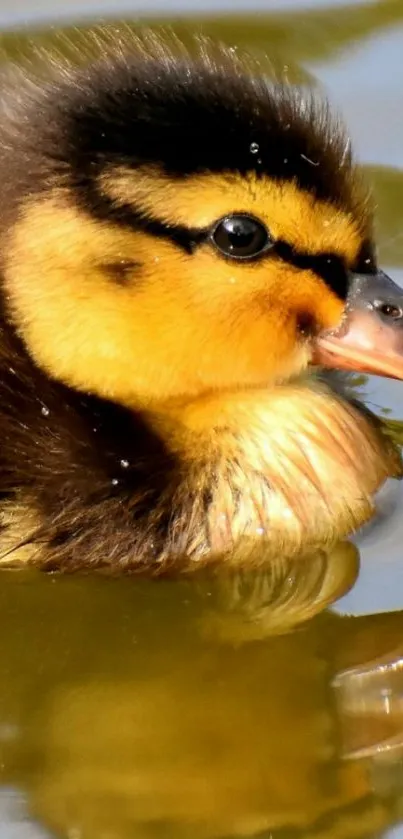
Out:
{"x": 241, "y": 237}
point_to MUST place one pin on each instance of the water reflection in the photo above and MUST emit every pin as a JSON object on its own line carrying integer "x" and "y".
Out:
{"x": 371, "y": 700}
{"x": 251, "y": 606}
{"x": 121, "y": 717}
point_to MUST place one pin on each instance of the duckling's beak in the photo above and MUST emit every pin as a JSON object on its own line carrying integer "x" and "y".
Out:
{"x": 370, "y": 336}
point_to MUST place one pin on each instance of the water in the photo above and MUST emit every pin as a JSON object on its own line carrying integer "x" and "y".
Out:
{"x": 194, "y": 710}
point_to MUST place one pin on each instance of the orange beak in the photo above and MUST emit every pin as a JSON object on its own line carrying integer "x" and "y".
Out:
{"x": 370, "y": 337}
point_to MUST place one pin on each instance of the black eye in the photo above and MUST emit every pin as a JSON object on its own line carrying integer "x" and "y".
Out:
{"x": 241, "y": 237}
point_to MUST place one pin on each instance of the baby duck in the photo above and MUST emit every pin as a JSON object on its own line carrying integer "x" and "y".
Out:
{"x": 181, "y": 239}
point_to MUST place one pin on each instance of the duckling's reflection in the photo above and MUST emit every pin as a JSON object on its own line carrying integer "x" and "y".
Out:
{"x": 254, "y": 605}
{"x": 131, "y": 710}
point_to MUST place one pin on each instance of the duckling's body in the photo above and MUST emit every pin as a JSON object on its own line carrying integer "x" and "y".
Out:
{"x": 155, "y": 409}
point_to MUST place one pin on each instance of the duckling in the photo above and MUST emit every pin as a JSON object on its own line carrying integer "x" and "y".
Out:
{"x": 182, "y": 240}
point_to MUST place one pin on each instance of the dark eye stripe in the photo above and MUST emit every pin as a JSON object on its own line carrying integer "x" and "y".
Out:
{"x": 329, "y": 266}
{"x": 185, "y": 238}
{"x": 103, "y": 208}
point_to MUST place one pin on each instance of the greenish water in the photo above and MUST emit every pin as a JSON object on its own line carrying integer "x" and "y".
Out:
{"x": 194, "y": 710}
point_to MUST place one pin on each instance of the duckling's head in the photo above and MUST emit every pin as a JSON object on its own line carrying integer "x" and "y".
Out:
{"x": 176, "y": 224}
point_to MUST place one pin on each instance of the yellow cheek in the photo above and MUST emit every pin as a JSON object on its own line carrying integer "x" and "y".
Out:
{"x": 180, "y": 326}
{"x": 302, "y": 294}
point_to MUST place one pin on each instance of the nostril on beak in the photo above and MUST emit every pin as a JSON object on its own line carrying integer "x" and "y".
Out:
{"x": 388, "y": 310}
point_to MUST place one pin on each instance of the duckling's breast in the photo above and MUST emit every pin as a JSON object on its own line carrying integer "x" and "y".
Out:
{"x": 280, "y": 472}
{"x": 252, "y": 476}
